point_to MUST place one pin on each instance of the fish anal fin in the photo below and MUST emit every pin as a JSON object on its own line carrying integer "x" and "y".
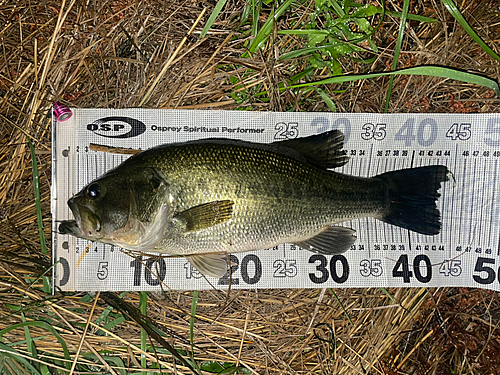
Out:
{"x": 214, "y": 265}
{"x": 332, "y": 240}
{"x": 206, "y": 215}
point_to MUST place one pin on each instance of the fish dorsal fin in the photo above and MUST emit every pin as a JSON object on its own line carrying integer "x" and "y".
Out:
{"x": 206, "y": 215}
{"x": 321, "y": 150}
{"x": 214, "y": 265}
{"x": 333, "y": 240}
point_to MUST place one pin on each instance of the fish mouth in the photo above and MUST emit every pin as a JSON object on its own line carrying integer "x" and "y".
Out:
{"x": 87, "y": 223}
{"x": 70, "y": 227}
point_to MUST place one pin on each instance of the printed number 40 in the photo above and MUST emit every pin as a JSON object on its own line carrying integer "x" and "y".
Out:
{"x": 423, "y": 273}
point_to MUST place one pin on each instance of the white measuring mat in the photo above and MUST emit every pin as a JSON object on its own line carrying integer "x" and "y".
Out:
{"x": 465, "y": 253}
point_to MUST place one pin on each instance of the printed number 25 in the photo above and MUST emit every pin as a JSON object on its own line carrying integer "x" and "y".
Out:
{"x": 286, "y": 130}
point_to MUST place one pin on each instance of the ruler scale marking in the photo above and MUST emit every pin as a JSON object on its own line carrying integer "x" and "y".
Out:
{"x": 469, "y": 211}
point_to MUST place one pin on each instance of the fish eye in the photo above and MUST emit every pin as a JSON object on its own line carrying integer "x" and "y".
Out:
{"x": 94, "y": 190}
{"x": 156, "y": 182}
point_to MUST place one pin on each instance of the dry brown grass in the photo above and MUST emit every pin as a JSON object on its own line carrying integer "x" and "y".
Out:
{"x": 109, "y": 54}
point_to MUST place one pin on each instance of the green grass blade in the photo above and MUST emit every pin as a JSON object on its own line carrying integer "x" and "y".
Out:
{"x": 267, "y": 28}
{"x": 255, "y": 15}
{"x": 329, "y": 102}
{"x": 116, "y": 361}
{"x": 452, "y": 8}
{"x": 218, "y": 8}
{"x": 38, "y": 204}
{"x": 412, "y": 17}
{"x": 194, "y": 305}
{"x": 143, "y": 305}
{"x": 397, "y": 50}
{"x": 301, "y": 52}
{"x": 299, "y": 76}
{"x": 29, "y": 340}
{"x": 338, "y": 8}
{"x": 103, "y": 315}
{"x": 388, "y": 295}
{"x": 247, "y": 9}
{"x": 113, "y": 323}
{"x": 47, "y": 327}
{"x": 426, "y": 70}
{"x": 304, "y": 32}
{"x": 6, "y": 351}
{"x": 341, "y": 306}
{"x": 44, "y": 369}
{"x": 47, "y": 285}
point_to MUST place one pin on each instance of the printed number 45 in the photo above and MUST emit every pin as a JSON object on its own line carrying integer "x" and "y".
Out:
{"x": 459, "y": 131}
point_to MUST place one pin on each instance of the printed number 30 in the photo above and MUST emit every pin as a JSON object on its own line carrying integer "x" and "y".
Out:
{"x": 338, "y": 277}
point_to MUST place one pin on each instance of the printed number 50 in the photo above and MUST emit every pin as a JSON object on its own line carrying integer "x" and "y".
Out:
{"x": 481, "y": 267}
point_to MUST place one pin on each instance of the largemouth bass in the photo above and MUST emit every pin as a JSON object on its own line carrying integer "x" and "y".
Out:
{"x": 208, "y": 198}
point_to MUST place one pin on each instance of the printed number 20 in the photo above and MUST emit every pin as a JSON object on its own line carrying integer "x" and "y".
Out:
{"x": 230, "y": 279}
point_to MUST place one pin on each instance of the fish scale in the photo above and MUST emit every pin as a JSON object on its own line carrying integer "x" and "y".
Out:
{"x": 261, "y": 183}
{"x": 223, "y": 196}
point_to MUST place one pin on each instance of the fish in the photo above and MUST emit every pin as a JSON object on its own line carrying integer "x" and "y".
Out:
{"x": 205, "y": 199}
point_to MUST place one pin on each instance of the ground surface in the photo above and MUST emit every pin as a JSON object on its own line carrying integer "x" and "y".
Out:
{"x": 108, "y": 54}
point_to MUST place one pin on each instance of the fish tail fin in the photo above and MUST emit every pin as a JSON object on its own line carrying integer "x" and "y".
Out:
{"x": 412, "y": 195}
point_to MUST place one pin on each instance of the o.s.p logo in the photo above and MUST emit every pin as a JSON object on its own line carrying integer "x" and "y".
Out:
{"x": 117, "y": 127}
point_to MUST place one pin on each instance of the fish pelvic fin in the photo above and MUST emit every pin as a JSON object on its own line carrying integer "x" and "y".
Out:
{"x": 205, "y": 215}
{"x": 332, "y": 240}
{"x": 412, "y": 195}
{"x": 323, "y": 150}
{"x": 214, "y": 265}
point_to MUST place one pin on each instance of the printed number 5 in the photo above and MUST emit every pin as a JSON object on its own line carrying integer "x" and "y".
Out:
{"x": 102, "y": 270}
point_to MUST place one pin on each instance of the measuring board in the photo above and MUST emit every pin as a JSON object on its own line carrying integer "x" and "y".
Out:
{"x": 466, "y": 253}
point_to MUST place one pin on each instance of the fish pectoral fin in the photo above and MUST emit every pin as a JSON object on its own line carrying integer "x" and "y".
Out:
{"x": 214, "y": 265}
{"x": 333, "y": 240}
{"x": 206, "y": 215}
